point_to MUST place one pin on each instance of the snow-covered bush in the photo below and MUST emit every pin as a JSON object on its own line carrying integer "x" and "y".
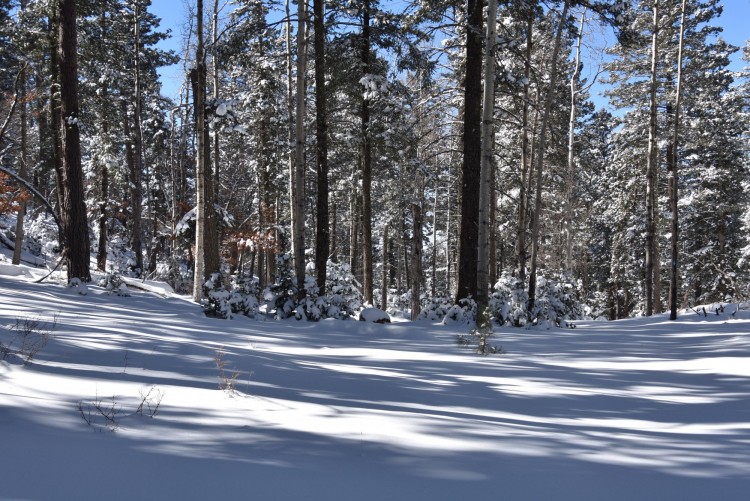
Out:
{"x": 239, "y": 296}
{"x": 399, "y": 305}
{"x": 341, "y": 299}
{"x": 556, "y": 302}
{"x": 436, "y": 309}
{"x": 509, "y": 302}
{"x": 218, "y": 303}
{"x": 343, "y": 296}
{"x": 114, "y": 284}
{"x": 244, "y": 295}
{"x": 463, "y": 313}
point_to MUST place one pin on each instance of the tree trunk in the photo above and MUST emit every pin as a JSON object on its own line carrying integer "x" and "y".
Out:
{"x": 651, "y": 173}
{"x": 135, "y": 181}
{"x": 542, "y": 145}
{"x": 77, "y": 248}
{"x": 298, "y": 181}
{"x": 469, "y": 237}
{"x": 571, "y": 145}
{"x": 215, "y": 68}
{"x": 101, "y": 254}
{"x": 367, "y": 263}
{"x": 202, "y": 172}
{"x": 488, "y": 150}
{"x": 18, "y": 246}
{"x": 322, "y": 234}
{"x": 384, "y": 287}
{"x": 674, "y": 180}
{"x": 416, "y": 247}
{"x": 523, "y": 202}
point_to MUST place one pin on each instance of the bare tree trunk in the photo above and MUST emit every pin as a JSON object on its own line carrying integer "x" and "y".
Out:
{"x": 55, "y": 109}
{"x": 433, "y": 258}
{"x": 571, "y": 151}
{"x": 198, "y": 78}
{"x": 651, "y": 169}
{"x": 542, "y": 145}
{"x": 24, "y": 158}
{"x": 467, "y": 248}
{"x": 135, "y": 186}
{"x": 416, "y": 247}
{"x": 77, "y": 251}
{"x": 674, "y": 180}
{"x": 101, "y": 255}
{"x": 215, "y": 68}
{"x": 367, "y": 283}
{"x": 322, "y": 234}
{"x": 384, "y": 289}
{"x": 298, "y": 182}
{"x": 523, "y": 202}
{"x": 488, "y": 150}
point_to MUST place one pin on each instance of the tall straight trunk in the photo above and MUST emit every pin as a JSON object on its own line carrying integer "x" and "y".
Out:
{"x": 493, "y": 231}
{"x": 322, "y": 233}
{"x": 433, "y": 257}
{"x": 136, "y": 189}
{"x": 367, "y": 264}
{"x": 101, "y": 254}
{"x": 674, "y": 180}
{"x": 24, "y": 158}
{"x": 416, "y": 249}
{"x": 298, "y": 180}
{"x": 384, "y": 287}
{"x": 469, "y": 232}
{"x": 651, "y": 165}
{"x": 198, "y": 78}
{"x": 353, "y": 231}
{"x": 488, "y": 150}
{"x": 55, "y": 108}
{"x": 542, "y": 146}
{"x": 215, "y": 74}
{"x": 77, "y": 249}
{"x": 571, "y": 145}
{"x": 523, "y": 202}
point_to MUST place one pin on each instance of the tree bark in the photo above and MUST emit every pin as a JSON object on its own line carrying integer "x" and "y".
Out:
{"x": 488, "y": 150}
{"x": 322, "y": 233}
{"x": 367, "y": 264}
{"x": 469, "y": 238}
{"x": 571, "y": 148}
{"x": 523, "y": 202}
{"x": 674, "y": 180}
{"x": 202, "y": 171}
{"x": 136, "y": 189}
{"x": 651, "y": 173}
{"x": 18, "y": 246}
{"x": 77, "y": 248}
{"x": 298, "y": 181}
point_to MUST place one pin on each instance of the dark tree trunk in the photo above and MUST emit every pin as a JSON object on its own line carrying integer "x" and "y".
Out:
{"x": 323, "y": 238}
{"x": 469, "y": 233}
{"x": 73, "y": 211}
{"x": 367, "y": 282}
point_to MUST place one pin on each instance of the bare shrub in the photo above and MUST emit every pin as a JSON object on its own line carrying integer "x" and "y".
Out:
{"x": 227, "y": 378}
{"x": 31, "y": 336}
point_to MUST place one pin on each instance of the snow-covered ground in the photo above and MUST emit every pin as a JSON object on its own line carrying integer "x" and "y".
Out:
{"x": 643, "y": 409}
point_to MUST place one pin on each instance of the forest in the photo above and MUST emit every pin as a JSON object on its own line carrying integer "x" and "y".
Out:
{"x": 434, "y": 159}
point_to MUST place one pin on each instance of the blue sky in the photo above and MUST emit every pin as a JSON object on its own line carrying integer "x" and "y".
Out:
{"x": 735, "y": 21}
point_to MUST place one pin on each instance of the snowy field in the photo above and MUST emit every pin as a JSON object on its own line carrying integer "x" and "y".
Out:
{"x": 643, "y": 409}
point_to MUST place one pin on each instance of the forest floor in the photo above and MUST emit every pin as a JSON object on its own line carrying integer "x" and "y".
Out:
{"x": 124, "y": 402}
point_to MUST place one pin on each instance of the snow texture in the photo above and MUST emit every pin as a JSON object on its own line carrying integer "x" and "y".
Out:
{"x": 642, "y": 409}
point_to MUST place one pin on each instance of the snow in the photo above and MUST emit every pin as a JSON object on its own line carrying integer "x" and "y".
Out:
{"x": 641, "y": 409}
